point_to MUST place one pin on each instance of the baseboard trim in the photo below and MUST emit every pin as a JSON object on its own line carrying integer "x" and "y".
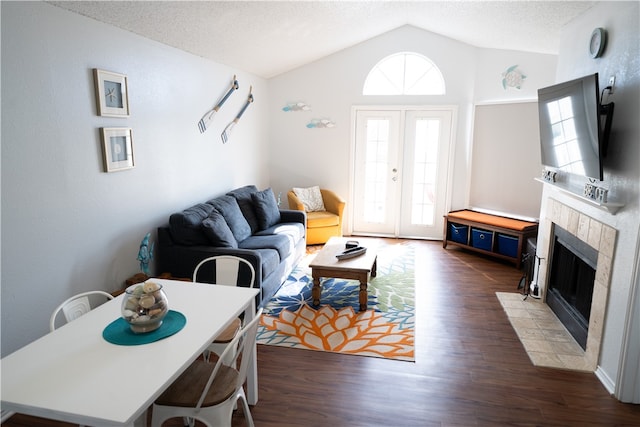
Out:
{"x": 606, "y": 381}
{"x": 5, "y": 415}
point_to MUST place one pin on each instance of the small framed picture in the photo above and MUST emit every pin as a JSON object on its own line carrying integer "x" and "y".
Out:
{"x": 117, "y": 149}
{"x": 112, "y": 93}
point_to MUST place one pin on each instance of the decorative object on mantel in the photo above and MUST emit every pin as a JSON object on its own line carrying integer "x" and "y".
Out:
{"x": 549, "y": 175}
{"x": 597, "y": 42}
{"x": 208, "y": 116}
{"x": 112, "y": 93}
{"x": 230, "y": 126}
{"x": 145, "y": 254}
{"x": 320, "y": 123}
{"x": 512, "y": 77}
{"x": 593, "y": 192}
{"x": 117, "y": 149}
{"x": 296, "y": 106}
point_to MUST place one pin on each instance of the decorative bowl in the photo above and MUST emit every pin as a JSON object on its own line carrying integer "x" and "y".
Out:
{"x": 144, "y": 306}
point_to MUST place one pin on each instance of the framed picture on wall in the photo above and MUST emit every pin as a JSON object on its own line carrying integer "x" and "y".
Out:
{"x": 112, "y": 93}
{"x": 117, "y": 149}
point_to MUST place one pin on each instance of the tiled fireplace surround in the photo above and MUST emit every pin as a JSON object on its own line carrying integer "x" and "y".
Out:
{"x": 561, "y": 350}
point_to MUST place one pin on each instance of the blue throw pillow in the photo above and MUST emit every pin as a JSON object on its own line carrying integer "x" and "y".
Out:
{"x": 266, "y": 207}
{"x": 186, "y": 226}
{"x": 230, "y": 210}
{"x": 243, "y": 196}
{"x": 218, "y": 232}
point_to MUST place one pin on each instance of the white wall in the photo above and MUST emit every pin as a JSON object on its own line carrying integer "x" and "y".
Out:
{"x": 538, "y": 69}
{"x": 332, "y": 85}
{"x": 621, "y": 172}
{"x": 66, "y": 225}
{"x": 505, "y": 159}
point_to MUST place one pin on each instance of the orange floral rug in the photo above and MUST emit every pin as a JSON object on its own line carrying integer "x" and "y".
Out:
{"x": 385, "y": 330}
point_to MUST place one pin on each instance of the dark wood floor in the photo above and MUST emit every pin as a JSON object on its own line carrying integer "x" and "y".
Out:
{"x": 470, "y": 368}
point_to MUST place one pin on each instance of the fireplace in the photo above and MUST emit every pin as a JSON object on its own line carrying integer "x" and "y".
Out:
{"x": 571, "y": 281}
{"x": 594, "y": 243}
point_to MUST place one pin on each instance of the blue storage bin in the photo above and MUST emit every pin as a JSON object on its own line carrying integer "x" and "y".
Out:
{"x": 459, "y": 233}
{"x": 507, "y": 245}
{"x": 481, "y": 239}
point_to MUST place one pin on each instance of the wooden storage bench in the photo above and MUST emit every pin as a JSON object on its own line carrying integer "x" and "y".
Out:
{"x": 493, "y": 235}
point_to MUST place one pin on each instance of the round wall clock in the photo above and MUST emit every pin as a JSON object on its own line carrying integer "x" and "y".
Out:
{"x": 597, "y": 42}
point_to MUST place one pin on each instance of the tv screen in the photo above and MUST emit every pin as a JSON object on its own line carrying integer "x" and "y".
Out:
{"x": 570, "y": 135}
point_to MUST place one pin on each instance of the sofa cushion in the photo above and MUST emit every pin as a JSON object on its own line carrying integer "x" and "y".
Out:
{"x": 322, "y": 219}
{"x": 278, "y": 242}
{"x": 311, "y": 198}
{"x": 293, "y": 230}
{"x": 270, "y": 261}
{"x": 230, "y": 210}
{"x": 243, "y": 196}
{"x": 266, "y": 207}
{"x": 186, "y": 226}
{"x": 218, "y": 232}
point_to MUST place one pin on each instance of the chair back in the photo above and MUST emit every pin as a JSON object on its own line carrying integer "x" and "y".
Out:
{"x": 244, "y": 341}
{"x": 225, "y": 270}
{"x": 76, "y": 306}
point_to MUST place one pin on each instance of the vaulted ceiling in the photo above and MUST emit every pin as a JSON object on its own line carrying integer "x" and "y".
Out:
{"x": 267, "y": 38}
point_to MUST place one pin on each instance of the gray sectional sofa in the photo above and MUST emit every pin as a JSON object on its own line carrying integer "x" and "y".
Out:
{"x": 244, "y": 222}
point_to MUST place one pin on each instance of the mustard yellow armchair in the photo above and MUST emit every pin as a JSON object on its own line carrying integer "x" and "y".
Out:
{"x": 321, "y": 225}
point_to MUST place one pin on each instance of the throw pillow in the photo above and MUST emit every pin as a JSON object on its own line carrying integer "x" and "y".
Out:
{"x": 311, "y": 198}
{"x": 230, "y": 210}
{"x": 218, "y": 232}
{"x": 243, "y": 196}
{"x": 186, "y": 226}
{"x": 266, "y": 208}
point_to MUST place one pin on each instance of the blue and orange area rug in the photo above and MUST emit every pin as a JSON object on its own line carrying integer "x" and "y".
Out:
{"x": 385, "y": 330}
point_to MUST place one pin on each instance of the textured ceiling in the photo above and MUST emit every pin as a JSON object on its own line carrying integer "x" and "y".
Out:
{"x": 267, "y": 38}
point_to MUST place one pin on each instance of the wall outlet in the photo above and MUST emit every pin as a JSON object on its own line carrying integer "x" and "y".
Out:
{"x": 612, "y": 83}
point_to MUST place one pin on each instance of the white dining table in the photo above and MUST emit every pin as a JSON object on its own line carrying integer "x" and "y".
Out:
{"x": 73, "y": 374}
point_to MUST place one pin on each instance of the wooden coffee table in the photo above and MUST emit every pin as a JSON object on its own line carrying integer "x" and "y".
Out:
{"x": 326, "y": 265}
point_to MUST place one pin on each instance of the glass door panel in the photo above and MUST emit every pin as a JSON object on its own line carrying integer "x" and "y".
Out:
{"x": 375, "y": 163}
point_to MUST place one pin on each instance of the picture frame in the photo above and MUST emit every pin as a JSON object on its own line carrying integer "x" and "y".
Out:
{"x": 117, "y": 149}
{"x": 112, "y": 93}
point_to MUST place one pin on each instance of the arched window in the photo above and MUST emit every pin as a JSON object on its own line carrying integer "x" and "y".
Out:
{"x": 404, "y": 73}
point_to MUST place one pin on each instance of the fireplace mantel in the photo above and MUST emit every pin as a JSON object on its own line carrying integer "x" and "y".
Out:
{"x": 574, "y": 192}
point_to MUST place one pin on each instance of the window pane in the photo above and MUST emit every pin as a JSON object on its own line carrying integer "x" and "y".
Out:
{"x": 404, "y": 73}
{"x": 375, "y": 170}
{"x": 425, "y": 158}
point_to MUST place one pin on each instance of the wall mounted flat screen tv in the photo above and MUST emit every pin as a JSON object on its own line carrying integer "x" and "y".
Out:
{"x": 572, "y": 137}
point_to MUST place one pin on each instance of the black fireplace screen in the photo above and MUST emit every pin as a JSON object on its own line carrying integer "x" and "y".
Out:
{"x": 571, "y": 281}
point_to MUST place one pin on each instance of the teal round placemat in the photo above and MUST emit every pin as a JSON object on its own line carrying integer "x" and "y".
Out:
{"x": 119, "y": 332}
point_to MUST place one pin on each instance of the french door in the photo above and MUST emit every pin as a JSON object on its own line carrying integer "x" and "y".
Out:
{"x": 401, "y": 171}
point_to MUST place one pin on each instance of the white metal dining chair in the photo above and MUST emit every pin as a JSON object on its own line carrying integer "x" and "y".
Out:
{"x": 230, "y": 271}
{"x": 76, "y": 306}
{"x": 208, "y": 392}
